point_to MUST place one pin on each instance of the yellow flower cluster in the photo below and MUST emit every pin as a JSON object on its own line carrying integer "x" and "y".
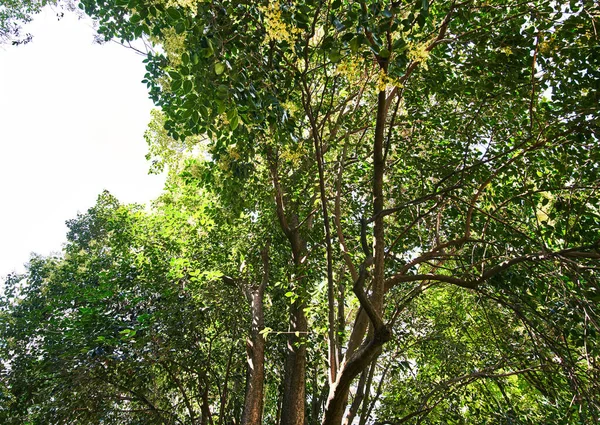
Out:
{"x": 543, "y": 211}
{"x": 383, "y": 80}
{"x": 291, "y": 107}
{"x": 417, "y": 52}
{"x": 165, "y": 82}
{"x": 233, "y": 152}
{"x": 173, "y": 45}
{"x": 349, "y": 70}
{"x": 186, "y": 4}
{"x": 294, "y": 156}
{"x": 277, "y": 29}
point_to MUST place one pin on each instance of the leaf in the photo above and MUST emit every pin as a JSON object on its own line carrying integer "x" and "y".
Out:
{"x": 384, "y": 53}
{"x": 234, "y": 123}
{"x": 265, "y": 332}
{"x": 219, "y": 68}
{"x": 231, "y": 114}
{"x": 220, "y": 107}
{"x": 176, "y": 84}
{"x": 335, "y": 56}
{"x": 173, "y": 13}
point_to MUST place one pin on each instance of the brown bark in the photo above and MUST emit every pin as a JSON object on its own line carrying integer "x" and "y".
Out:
{"x": 206, "y": 415}
{"x": 358, "y": 397}
{"x": 293, "y": 404}
{"x": 222, "y": 410}
{"x": 331, "y": 339}
{"x": 378, "y": 231}
{"x": 292, "y": 411}
{"x": 255, "y": 350}
{"x": 371, "y": 306}
{"x": 336, "y": 404}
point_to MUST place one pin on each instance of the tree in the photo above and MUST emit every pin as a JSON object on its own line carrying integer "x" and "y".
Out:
{"x": 117, "y": 331}
{"x": 432, "y": 169}
{"x": 15, "y": 13}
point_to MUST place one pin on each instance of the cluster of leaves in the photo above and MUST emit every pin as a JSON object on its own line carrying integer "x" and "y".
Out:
{"x": 115, "y": 331}
{"x": 15, "y": 13}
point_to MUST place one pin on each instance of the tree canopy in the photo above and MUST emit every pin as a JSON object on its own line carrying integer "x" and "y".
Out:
{"x": 376, "y": 213}
{"x": 15, "y": 13}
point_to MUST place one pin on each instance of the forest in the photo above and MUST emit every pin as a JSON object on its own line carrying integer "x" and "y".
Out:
{"x": 376, "y": 212}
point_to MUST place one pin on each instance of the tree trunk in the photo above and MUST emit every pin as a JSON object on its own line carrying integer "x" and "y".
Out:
{"x": 293, "y": 405}
{"x": 292, "y": 412}
{"x": 255, "y": 350}
{"x": 373, "y": 306}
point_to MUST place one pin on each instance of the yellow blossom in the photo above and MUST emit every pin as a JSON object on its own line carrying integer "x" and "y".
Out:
{"x": 383, "y": 80}
{"x": 173, "y": 44}
{"x": 233, "y": 152}
{"x": 186, "y": 4}
{"x": 294, "y": 156}
{"x": 418, "y": 52}
{"x": 348, "y": 69}
{"x": 277, "y": 29}
{"x": 290, "y": 106}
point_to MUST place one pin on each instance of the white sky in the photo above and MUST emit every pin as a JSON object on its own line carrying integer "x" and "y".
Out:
{"x": 72, "y": 118}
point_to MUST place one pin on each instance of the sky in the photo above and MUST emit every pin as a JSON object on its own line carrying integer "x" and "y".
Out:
{"x": 72, "y": 119}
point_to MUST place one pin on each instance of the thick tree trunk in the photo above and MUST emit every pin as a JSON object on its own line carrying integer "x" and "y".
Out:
{"x": 338, "y": 396}
{"x": 255, "y": 350}
{"x": 292, "y": 411}
{"x": 293, "y": 405}
{"x": 206, "y": 415}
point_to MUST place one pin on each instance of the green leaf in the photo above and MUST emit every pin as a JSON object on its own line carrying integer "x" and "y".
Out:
{"x": 232, "y": 113}
{"x": 220, "y": 107}
{"x": 234, "y": 122}
{"x": 173, "y": 13}
{"x": 176, "y": 84}
{"x": 384, "y": 53}
{"x": 335, "y": 56}
{"x": 219, "y": 68}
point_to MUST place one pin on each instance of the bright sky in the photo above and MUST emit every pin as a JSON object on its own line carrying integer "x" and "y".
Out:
{"x": 72, "y": 118}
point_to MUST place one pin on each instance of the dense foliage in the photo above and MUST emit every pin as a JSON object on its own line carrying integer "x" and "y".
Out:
{"x": 376, "y": 213}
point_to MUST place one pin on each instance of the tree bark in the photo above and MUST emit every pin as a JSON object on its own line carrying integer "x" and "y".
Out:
{"x": 292, "y": 411}
{"x": 293, "y": 404}
{"x": 373, "y": 305}
{"x": 255, "y": 349}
